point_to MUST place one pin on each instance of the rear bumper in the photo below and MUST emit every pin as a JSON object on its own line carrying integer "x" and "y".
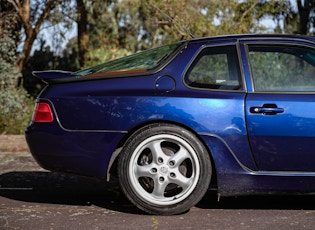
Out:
{"x": 82, "y": 153}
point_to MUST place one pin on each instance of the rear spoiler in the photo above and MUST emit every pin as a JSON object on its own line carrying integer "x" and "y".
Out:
{"x": 59, "y": 76}
{"x": 53, "y": 75}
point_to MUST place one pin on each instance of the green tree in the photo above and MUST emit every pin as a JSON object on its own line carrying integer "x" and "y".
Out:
{"x": 45, "y": 58}
{"x": 32, "y": 15}
{"x": 14, "y": 101}
{"x": 295, "y": 20}
{"x": 117, "y": 28}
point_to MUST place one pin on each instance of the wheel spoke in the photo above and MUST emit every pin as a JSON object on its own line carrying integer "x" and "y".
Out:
{"x": 156, "y": 150}
{"x": 159, "y": 188}
{"x": 182, "y": 181}
{"x": 179, "y": 157}
{"x": 144, "y": 171}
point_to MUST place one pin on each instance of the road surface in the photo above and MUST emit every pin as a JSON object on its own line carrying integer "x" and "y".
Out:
{"x": 33, "y": 198}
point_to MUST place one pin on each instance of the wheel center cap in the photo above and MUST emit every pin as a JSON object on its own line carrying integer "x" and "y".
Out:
{"x": 163, "y": 170}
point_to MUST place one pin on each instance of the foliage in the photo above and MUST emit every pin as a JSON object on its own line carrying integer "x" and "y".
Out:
{"x": 145, "y": 60}
{"x": 104, "y": 54}
{"x": 113, "y": 28}
{"x": 33, "y": 15}
{"x": 117, "y": 28}
{"x": 45, "y": 59}
{"x": 16, "y": 111}
{"x": 14, "y": 101}
{"x": 109, "y": 29}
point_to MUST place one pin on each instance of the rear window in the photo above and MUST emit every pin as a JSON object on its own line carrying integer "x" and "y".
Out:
{"x": 138, "y": 62}
{"x": 215, "y": 68}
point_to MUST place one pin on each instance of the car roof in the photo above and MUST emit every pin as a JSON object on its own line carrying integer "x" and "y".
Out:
{"x": 253, "y": 37}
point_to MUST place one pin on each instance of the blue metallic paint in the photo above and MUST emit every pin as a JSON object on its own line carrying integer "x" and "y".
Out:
{"x": 283, "y": 141}
{"x": 93, "y": 117}
{"x": 78, "y": 152}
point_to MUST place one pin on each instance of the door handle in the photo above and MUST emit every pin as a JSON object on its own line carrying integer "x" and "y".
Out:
{"x": 266, "y": 109}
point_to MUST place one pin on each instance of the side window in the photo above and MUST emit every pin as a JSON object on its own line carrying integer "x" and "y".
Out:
{"x": 215, "y": 68}
{"x": 282, "y": 68}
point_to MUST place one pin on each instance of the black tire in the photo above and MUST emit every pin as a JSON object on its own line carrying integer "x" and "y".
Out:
{"x": 164, "y": 169}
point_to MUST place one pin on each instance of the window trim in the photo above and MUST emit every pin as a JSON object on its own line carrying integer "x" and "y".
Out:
{"x": 242, "y": 87}
{"x": 246, "y": 45}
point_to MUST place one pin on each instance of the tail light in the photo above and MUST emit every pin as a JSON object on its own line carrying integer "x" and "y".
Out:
{"x": 43, "y": 113}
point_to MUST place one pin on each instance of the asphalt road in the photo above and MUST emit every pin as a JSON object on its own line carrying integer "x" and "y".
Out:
{"x": 32, "y": 198}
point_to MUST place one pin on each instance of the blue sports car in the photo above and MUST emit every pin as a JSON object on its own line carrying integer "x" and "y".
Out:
{"x": 233, "y": 112}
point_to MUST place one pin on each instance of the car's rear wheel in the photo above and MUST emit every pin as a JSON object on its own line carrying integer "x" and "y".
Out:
{"x": 164, "y": 169}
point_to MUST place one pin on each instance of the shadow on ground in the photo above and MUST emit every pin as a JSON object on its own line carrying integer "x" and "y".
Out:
{"x": 57, "y": 188}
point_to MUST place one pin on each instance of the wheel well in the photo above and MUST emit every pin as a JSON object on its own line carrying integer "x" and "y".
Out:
{"x": 113, "y": 167}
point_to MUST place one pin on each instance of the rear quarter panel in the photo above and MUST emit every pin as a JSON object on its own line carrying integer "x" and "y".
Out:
{"x": 95, "y": 106}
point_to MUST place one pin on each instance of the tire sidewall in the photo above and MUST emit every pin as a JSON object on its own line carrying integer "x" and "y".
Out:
{"x": 129, "y": 149}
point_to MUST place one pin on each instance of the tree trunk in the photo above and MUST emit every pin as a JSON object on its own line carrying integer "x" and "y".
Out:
{"x": 304, "y": 13}
{"x": 27, "y": 46}
{"x": 24, "y": 11}
{"x": 83, "y": 36}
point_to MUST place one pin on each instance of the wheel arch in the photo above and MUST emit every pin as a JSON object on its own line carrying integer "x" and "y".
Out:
{"x": 112, "y": 167}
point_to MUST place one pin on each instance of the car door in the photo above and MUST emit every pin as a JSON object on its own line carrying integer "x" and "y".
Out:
{"x": 280, "y": 110}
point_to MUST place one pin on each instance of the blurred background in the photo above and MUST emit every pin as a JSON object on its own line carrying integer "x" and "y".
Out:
{"x": 75, "y": 34}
